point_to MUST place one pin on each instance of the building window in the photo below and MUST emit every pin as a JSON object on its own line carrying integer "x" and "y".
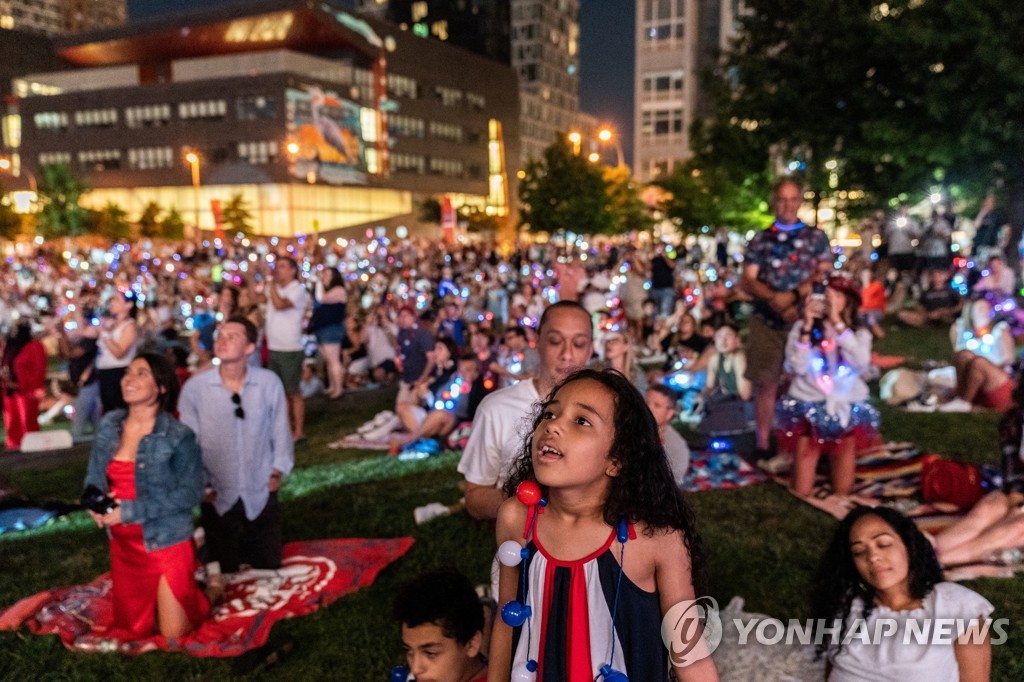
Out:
{"x": 405, "y": 126}
{"x": 148, "y": 115}
{"x": 661, "y": 123}
{"x": 256, "y": 108}
{"x": 478, "y": 102}
{"x": 150, "y": 158}
{"x": 447, "y": 131}
{"x": 210, "y": 109}
{"x": 408, "y": 163}
{"x": 448, "y": 167}
{"x": 47, "y": 158}
{"x": 258, "y": 152}
{"x": 100, "y": 159}
{"x": 96, "y": 118}
{"x": 402, "y": 86}
{"x": 51, "y": 120}
{"x": 450, "y": 97}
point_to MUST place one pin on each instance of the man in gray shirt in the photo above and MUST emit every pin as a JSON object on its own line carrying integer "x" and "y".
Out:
{"x": 240, "y": 416}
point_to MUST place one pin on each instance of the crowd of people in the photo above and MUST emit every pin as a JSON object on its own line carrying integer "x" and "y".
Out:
{"x": 558, "y": 370}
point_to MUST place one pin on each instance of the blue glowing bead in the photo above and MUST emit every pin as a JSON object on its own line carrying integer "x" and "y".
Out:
{"x": 515, "y": 613}
{"x": 531, "y": 665}
{"x": 622, "y": 531}
{"x": 524, "y": 553}
{"x": 543, "y": 502}
{"x": 399, "y": 673}
{"x": 610, "y": 674}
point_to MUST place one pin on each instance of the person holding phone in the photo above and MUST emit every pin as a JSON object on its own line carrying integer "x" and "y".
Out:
{"x": 144, "y": 478}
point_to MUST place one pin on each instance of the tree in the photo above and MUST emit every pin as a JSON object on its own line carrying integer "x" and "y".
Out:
{"x": 10, "y": 222}
{"x": 564, "y": 191}
{"x": 631, "y": 214}
{"x": 903, "y": 95}
{"x": 701, "y": 194}
{"x": 430, "y": 211}
{"x": 237, "y": 216}
{"x": 172, "y": 227}
{"x": 111, "y": 222}
{"x": 59, "y": 193}
{"x": 149, "y": 222}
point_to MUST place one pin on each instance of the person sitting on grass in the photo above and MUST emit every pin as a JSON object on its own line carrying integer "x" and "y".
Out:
{"x": 938, "y": 304}
{"x": 984, "y": 352}
{"x": 451, "y": 406}
{"x": 828, "y": 398}
{"x": 727, "y": 365}
{"x": 420, "y": 399}
{"x": 442, "y": 628}
{"x": 880, "y": 567}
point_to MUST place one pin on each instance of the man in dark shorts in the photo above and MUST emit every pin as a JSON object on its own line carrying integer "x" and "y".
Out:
{"x": 780, "y": 266}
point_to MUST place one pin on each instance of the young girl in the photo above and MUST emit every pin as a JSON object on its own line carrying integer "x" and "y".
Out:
{"x": 828, "y": 398}
{"x": 880, "y": 567}
{"x": 613, "y": 535}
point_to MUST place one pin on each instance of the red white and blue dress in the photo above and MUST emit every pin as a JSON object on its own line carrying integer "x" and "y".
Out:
{"x": 572, "y": 603}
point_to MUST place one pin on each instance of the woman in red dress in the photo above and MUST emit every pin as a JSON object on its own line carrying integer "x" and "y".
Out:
{"x": 150, "y": 464}
{"x": 23, "y": 377}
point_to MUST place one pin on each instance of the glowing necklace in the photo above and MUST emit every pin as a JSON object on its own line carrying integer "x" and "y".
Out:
{"x": 515, "y": 613}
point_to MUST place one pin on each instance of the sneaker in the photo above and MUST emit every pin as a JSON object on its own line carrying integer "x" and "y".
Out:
{"x": 377, "y": 421}
{"x": 429, "y": 512}
{"x": 956, "y": 405}
{"x": 383, "y": 430}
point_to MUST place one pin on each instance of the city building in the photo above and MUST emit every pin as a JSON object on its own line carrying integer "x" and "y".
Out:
{"x": 677, "y": 41}
{"x": 319, "y": 119}
{"x": 61, "y": 17}
{"x": 538, "y": 38}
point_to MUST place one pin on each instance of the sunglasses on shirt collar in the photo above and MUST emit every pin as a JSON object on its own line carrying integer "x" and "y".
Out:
{"x": 237, "y": 400}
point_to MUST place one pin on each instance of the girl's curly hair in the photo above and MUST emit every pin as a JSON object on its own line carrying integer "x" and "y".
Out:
{"x": 838, "y": 582}
{"x": 644, "y": 490}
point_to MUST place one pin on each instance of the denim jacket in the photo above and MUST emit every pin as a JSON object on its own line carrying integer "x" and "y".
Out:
{"x": 168, "y": 477}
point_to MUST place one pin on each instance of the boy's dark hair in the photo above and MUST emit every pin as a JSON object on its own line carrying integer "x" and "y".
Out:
{"x": 662, "y": 389}
{"x": 838, "y": 582}
{"x": 644, "y": 491}
{"x": 165, "y": 378}
{"x": 251, "y": 332}
{"x": 517, "y": 331}
{"x": 443, "y": 597}
{"x": 563, "y": 305}
{"x": 469, "y": 356}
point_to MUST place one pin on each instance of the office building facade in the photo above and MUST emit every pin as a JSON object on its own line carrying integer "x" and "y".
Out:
{"x": 61, "y": 17}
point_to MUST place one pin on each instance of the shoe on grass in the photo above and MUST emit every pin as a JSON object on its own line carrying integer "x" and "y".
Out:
{"x": 956, "y": 405}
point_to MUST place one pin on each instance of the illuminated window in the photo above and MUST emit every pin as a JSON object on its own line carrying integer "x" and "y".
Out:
{"x": 258, "y": 152}
{"x": 50, "y": 120}
{"x": 147, "y": 116}
{"x": 368, "y": 124}
{"x": 150, "y": 158}
{"x": 100, "y": 159}
{"x": 256, "y": 108}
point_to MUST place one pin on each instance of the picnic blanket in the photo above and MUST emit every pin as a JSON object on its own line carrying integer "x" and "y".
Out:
{"x": 312, "y": 574}
{"x": 712, "y": 470}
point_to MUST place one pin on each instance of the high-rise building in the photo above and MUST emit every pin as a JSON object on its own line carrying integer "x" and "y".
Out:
{"x": 538, "y": 38}
{"x": 61, "y": 17}
{"x": 676, "y": 42}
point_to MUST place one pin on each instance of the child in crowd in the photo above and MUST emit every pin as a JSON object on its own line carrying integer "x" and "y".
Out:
{"x": 613, "y": 530}
{"x": 881, "y": 570}
{"x": 442, "y": 628}
{"x": 728, "y": 364}
{"x": 829, "y": 356}
{"x": 872, "y": 308}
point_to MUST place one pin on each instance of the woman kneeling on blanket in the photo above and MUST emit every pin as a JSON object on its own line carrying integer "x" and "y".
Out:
{"x": 880, "y": 573}
{"x": 150, "y": 464}
{"x": 827, "y": 402}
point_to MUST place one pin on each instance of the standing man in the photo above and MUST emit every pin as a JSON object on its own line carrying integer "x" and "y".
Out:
{"x": 240, "y": 416}
{"x": 565, "y": 343}
{"x": 287, "y": 300}
{"x": 779, "y": 269}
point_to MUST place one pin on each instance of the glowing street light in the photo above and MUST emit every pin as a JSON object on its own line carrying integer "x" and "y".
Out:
{"x": 193, "y": 160}
{"x": 607, "y": 135}
{"x": 594, "y": 157}
{"x": 5, "y": 165}
{"x": 576, "y": 139}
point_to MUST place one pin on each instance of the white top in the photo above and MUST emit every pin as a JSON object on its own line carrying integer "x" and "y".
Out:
{"x": 501, "y": 425}
{"x": 899, "y": 657}
{"x": 107, "y": 360}
{"x": 992, "y": 346}
{"x": 378, "y": 346}
{"x": 284, "y": 327}
{"x": 678, "y": 454}
{"x": 833, "y": 376}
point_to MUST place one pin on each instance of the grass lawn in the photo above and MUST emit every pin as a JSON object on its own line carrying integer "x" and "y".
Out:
{"x": 762, "y": 545}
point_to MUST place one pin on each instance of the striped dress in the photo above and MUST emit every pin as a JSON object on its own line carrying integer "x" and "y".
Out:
{"x": 571, "y": 604}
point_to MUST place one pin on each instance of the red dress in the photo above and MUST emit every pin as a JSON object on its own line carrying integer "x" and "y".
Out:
{"x": 21, "y": 407}
{"x": 136, "y": 573}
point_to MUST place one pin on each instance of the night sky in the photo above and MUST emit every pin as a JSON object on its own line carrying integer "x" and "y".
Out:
{"x": 606, "y": 57}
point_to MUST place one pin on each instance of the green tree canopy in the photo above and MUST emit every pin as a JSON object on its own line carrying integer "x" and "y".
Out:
{"x": 237, "y": 217}
{"x": 631, "y": 214}
{"x": 172, "y": 227}
{"x": 149, "y": 221}
{"x": 564, "y": 191}
{"x": 59, "y": 193}
{"x": 111, "y": 222}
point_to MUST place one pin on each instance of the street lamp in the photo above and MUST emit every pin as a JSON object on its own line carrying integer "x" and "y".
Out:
{"x": 293, "y": 150}
{"x": 193, "y": 160}
{"x": 594, "y": 157}
{"x": 576, "y": 139}
{"x": 606, "y": 135}
{"x": 7, "y": 167}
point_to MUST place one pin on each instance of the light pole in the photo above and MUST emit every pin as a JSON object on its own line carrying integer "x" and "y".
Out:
{"x": 293, "y": 150}
{"x": 193, "y": 161}
{"x": 606, "y": 135}
{"x": 7, "y": 167}
{"x": 576, "y": 139}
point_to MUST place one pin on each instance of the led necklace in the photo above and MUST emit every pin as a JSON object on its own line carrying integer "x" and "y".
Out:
{"x": 449, "y": 395}
{"x": 783, "y": 227}
{"x": 515, "y": 613}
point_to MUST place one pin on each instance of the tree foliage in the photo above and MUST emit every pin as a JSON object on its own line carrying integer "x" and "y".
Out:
{"x": 237, "y": 216}
{"x": 111, "y": 222}
{"x": 59, "y": 192}
{"x": 172, "y": 227}
{"x": 149, "y": 222}
{"x": 701, "y": 194}
{"x": 564, "y": 191}
{"x": 903, "y": 95}
{"x": 631, "y": 214}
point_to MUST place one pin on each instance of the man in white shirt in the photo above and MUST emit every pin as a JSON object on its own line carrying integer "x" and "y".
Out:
{"x": 565, "y": 344}
{"x": 287, "y": 300}
{"x": 662, "y": 402}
